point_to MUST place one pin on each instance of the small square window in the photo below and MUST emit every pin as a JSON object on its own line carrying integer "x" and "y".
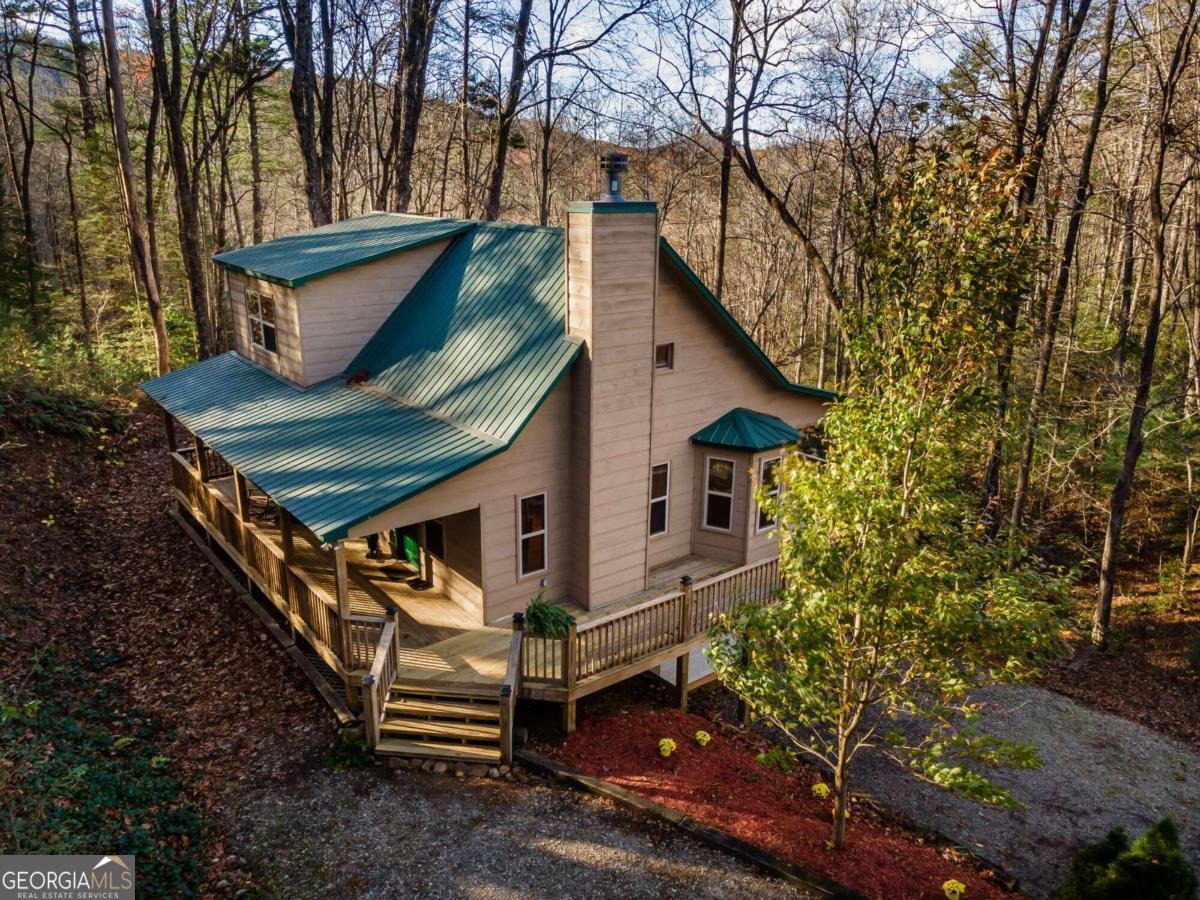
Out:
{"x": 664, "y": 356}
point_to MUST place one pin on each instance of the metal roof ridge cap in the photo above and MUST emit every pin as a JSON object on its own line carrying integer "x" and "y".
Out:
{"x": 405, "y": 402}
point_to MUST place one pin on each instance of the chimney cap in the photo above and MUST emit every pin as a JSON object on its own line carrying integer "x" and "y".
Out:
{"x": 614, "y": 161}
{"x": 613, "y": 164}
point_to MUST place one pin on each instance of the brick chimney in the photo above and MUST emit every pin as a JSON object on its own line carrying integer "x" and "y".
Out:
{"x": 612, "y": 252}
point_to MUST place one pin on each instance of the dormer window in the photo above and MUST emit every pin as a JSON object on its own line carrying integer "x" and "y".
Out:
{"x": 260, "y": 308}
{"x": 664, "y": 356}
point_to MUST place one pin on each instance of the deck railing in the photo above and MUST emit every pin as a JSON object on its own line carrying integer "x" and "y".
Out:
{"x": 311, "y": 611}
{"x": 627, "y": 636}
{"x": 377, "y": 683}
{"x": 510, "y": 688}
{"x": 634, "y": 638}
{"x": 542, "y": 659}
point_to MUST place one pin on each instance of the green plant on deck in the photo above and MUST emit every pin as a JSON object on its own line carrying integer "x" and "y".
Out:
{"x": 1151, "y": 868}
{"x": 546, "y": 619}
{"x": 350, "y": 750}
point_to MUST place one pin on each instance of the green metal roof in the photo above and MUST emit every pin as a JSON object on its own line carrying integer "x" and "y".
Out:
{"x": 745, "y": 429}
{"x": 738, "y": 332}
{"x": 452, "y": 376}
{"x": 296, "y": 259}
{"x": 455, "y": 373}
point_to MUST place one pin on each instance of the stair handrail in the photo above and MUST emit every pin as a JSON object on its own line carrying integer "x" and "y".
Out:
{"x": 377, "y": 683}
{"x": 510, "y": 688}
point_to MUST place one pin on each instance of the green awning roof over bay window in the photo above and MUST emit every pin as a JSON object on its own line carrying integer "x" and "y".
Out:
{"x": 745, "y": 429}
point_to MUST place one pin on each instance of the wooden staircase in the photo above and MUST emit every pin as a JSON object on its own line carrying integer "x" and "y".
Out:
{"x": 442, "y": 720}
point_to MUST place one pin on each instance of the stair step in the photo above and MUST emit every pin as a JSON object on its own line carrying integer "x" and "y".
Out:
{"x": 434, "y": 750}
{"x": 467, "y": 731}
{"x": 443, "y": 709}
{"x": 447, "y": 689}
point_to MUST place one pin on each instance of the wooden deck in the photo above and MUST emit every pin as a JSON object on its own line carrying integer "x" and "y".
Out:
{"x": 426, "y": 615}
{"x": 480, "y": 655}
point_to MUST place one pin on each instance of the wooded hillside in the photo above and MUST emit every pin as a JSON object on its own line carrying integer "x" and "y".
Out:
{"x": 140, "y": 140}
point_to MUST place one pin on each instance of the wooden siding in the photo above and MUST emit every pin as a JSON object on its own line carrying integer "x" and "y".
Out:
{"x": 611, "y": 269}
{"x": 537, "y": 461}
{"x": 340, "y": 312}
{"x": 288, "y": 361}
{"x": 459, "y": 576}
{"x": 712, "y": 543}
{"x": 690, "y": 396}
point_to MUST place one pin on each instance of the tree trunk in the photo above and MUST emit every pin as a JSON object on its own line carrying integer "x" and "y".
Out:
{"x": 1141, "y": 402}
{"x": 133, "y": 213}
{"x": 187, "y": 194}
{"x": 1066, "y": 259}
{"x": 508, "y": 112}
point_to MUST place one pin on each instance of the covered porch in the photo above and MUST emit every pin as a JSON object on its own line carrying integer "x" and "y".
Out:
{"x": 388, "y": 627}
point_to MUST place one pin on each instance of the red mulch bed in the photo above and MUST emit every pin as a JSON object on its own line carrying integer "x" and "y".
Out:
{"x": 725, "y": 786}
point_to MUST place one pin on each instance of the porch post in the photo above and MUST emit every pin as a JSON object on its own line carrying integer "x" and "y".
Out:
{"x": 201, "y": 458}
{"x": 569, "y": 667}
{"x": 426, "y": 572}
{"x": 169, "y": 425}
{"x": 343, "y": 608}
{"x": 289, "y": 557}
{"x": 685, "y": 633}
{"x": 242, "y": 494}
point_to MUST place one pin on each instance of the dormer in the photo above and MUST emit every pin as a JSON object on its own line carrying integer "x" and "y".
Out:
{"x": 304, "y": 305}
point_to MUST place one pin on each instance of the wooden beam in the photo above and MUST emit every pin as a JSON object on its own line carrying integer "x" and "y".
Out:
{"x": 569, "y": 667}
{"x": 285, "y": 533}
{"x": 343, "y": 606}
{"x": 685, "y": 632}
{"x": 201, "y": 458}
{"x": 242, "y": 495}
{"x": 169, "y": 425}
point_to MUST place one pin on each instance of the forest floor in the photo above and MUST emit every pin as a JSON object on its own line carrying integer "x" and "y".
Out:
{"x": 153, "y": 712}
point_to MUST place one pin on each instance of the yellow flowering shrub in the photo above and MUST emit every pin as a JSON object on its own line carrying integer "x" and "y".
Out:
{"x": 666, "y": 747}
{"x": 821, "y": 790}
{"x": 953, "y": 889}
{"x": 702, "y": 738}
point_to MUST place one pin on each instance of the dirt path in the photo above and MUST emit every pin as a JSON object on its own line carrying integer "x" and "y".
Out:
{"x": 1099, "y": 771}
{"x": 400, "y": 833}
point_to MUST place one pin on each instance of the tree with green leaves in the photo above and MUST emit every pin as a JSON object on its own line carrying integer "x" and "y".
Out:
{"x": 895, "y": 604}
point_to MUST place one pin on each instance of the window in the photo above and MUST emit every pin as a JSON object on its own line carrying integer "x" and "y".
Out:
{"x": 532, "y": 540}
{"x": 664, "y": 356}
{"x": 660, "y": 489}
{"x": 768, "y": 481}
{"x": 435, "y": 538}
{"x": 718, "y": 494}
{"x": 261, "y": 310}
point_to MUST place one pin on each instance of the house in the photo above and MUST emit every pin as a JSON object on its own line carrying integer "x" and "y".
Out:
{"x": 427, "y": 422}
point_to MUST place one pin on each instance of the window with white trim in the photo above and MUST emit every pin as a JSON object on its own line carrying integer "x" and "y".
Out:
{"x": 531, "y": 542}
{"x": 768, "y": 484}
{"x": 260, "y": 308}
{"x": 660, "y": 491}
{"x": 718, "y": 493}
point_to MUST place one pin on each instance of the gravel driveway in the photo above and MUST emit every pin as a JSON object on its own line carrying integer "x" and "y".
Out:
{"x": 397, "y": 833}
{"x": 1099, "y": 771}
